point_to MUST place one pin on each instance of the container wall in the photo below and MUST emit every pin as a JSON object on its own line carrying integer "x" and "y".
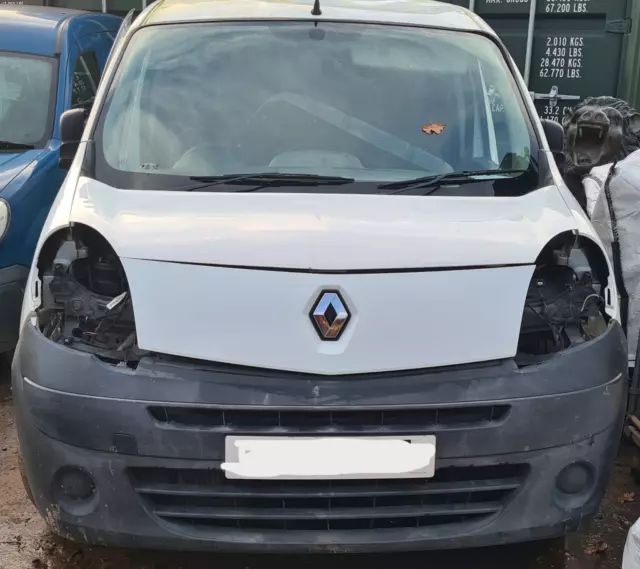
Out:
{"x": 119, "y": 7}
{"x": 576, "y": 49}
{"x": 629, "y": 88}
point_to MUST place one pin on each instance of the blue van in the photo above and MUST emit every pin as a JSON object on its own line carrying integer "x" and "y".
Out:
{"x": 51, "y": 60}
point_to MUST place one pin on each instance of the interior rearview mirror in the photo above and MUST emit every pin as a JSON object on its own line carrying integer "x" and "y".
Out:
{"x": 71, "y": 127}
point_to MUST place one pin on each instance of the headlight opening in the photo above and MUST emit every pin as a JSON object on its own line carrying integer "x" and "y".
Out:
{"x": 565, "y": 304}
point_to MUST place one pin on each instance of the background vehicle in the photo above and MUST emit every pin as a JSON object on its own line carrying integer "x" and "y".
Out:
{"x": 51, "y": 60}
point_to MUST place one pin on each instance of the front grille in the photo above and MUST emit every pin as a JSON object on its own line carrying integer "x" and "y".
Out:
{"x": 415, "y": 421}
{"x": 204, "y": 500}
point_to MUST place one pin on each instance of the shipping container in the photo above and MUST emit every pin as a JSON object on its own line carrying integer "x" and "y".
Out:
{"x": 566, "y": 49}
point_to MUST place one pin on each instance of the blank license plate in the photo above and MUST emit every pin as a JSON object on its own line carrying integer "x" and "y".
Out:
{"x": 317, "y": 458}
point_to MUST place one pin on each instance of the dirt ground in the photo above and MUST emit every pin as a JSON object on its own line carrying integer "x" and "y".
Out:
{"x": 25, "y": 543}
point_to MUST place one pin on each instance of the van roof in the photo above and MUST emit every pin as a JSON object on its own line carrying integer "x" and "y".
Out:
{"x": 36, "y": 29}
{"x": 407, "y": 12}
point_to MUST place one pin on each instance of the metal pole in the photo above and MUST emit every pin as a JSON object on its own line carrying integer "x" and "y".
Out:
{"x": 533, "y": 4}
{"x": 472, "y": 5}
{"x": 104, "y": 6}
{"x": 144, "y": 4}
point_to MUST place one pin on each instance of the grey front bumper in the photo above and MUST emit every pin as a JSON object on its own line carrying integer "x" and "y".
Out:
{"x": 151, "y": 441}
{"x": 12, "y": 283}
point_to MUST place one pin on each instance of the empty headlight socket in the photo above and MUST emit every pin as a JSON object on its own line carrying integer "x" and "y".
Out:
{"x": 567, "y": 299}
{"x": 85, "y": 302}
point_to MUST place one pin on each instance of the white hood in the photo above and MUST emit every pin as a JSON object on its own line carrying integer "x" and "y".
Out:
{"x": 322, "y": 232}
{"x": 430, "y": 281}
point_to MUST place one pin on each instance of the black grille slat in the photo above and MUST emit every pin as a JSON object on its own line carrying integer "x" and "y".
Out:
{"x": 407, "y": 490}
{"x": 259, "y": 503}
{"x": 331, "y": 514}
{"x": 320, "y": 421}
{"x": 202, "y": 500}
{"x": 201, "y": 526}
{"x": 213, "y": 477}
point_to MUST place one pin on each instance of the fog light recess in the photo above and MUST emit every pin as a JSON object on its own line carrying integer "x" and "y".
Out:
{"x": 575, "y": 479}
{"x": 574, "y": 485}
{"x": 75, "y": 491}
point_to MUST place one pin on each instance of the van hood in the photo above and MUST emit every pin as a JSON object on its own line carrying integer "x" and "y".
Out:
{"x": 234, "y": 278}
{"x": 12, "y": 163}
{"x": 320, "y": 232}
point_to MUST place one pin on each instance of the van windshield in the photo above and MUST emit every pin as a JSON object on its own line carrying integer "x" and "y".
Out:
{"x": 25, "y": 100}
{"x": 371, "y": 103}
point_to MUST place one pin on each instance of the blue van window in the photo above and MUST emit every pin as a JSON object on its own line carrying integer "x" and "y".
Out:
{"x": 25, "y": 98}
{"x": 86, "y": 76}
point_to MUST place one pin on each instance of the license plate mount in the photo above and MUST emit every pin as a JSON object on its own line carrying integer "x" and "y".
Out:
{"x": 329, "y": 458}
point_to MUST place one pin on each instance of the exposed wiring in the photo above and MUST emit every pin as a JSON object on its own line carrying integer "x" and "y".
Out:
{"x": 584, "y": 304}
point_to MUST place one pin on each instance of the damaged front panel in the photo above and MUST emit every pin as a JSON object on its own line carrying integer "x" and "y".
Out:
{"x": 564, "y": 306}
{"x": 85, "y": 297}
{"x": 86, "y": 302}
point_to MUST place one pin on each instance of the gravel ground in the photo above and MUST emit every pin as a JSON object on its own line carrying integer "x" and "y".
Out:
{"x": 25, "y": 542}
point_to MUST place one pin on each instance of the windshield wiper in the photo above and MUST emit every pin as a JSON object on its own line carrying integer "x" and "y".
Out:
{"x": 434, "y": 182}
{"x": 269, "y": 179}
{"x": 7, "y": 145}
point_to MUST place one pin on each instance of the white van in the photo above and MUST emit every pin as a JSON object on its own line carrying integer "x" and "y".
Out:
{"x": 314, "y": 283}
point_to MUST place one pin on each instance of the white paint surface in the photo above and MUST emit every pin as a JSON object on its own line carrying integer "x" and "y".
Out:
{"x": 262, "y": 318}
{"x": 332, "y": 232}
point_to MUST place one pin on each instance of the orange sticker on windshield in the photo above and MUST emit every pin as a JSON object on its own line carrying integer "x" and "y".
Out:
{"x": 433, "y": 128}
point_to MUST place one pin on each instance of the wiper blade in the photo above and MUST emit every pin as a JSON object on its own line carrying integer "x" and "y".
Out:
{"x": 8, "y": 145}
{"x": 434, "y": 182}
{"x": 227, "y": 178}
{"x": 269, "y": 179}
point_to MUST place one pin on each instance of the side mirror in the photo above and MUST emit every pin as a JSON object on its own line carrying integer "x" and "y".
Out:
{"x": 555, "y": 135}
{"x": 71, "y": 127}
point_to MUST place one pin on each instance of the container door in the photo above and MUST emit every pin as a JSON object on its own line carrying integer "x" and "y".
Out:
{"x": 117, "y": 7}
{"x": 91, "y": 5}
{"x": 123, "y": 7}
{"x": 574, "y": 51}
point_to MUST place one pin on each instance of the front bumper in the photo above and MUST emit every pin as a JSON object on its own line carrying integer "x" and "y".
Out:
{"x": 12, "y": 284}
{"x": 152, "y": 441}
